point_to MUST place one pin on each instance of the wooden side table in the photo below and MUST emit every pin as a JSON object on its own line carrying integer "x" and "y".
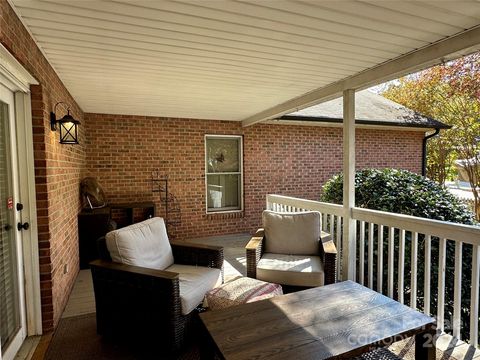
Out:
{"x": 92, "y": 224}
{"x": 149, "y": 206}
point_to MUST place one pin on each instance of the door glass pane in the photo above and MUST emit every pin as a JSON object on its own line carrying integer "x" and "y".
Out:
{"x": 223, "y": 192}
{"x": 223, "y": 155}
{"x": 9, "y": 301}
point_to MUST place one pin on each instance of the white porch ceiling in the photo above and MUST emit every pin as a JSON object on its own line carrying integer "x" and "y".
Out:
{"x": 229, "y": 60}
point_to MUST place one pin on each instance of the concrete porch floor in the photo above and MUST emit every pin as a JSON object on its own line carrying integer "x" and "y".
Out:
{"x": 82, "y": 301}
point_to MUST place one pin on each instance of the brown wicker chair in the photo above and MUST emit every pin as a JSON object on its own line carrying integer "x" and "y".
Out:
{"x": 327, "y": 251}
{"x": 143, "y": 305}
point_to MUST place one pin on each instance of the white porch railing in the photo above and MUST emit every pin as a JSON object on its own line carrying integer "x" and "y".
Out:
{"x": 383, "y": 267}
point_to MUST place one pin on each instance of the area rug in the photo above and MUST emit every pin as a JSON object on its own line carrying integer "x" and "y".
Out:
{"x": 76, "y": 339}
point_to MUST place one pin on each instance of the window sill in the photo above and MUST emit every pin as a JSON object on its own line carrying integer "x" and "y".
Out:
{"x": 220, "y": 215}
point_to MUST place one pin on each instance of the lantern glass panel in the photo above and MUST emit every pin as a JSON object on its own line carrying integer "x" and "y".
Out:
{"x": 68, "y": 133}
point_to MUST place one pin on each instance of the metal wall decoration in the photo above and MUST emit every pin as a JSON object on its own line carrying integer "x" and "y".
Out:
{"x": 172, "y": 213}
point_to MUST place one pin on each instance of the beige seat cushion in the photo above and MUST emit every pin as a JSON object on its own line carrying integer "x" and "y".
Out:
{"x": 195, "y": 281}
{"x": 292, "y": 233}
{"x": 295, "y": 270}
{"x": 143, "y": 244}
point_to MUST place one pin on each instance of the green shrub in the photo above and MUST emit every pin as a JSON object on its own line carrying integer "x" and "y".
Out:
{"x": 402, "y": 192}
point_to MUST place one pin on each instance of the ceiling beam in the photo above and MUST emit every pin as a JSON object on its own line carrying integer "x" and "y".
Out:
{"x": 446, "y": 49}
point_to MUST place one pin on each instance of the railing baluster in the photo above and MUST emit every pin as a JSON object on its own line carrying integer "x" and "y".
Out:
{"x": 401, "y": 265}
{"x": 354, "y": 245}
{"x": 339, "y": 247}
{"x": 361, "y": 261}
{"x": 370, "y": 254}
{"x": 380, "y": 260}
{"x": 413, "y": 278}
{"x": 332, "y": 231}
{"x": 442, "y": 251}
{"x": 391, "y": 243}
{"x": 457, "y": 290}
{"x": 428, "y": 262}
{"x": 474, "y": 296}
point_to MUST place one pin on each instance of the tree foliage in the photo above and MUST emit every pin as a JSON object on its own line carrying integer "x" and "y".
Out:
{"x": 449, "y": 93}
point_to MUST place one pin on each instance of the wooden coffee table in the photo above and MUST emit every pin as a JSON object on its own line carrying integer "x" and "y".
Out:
{"x": 337, "y": 321}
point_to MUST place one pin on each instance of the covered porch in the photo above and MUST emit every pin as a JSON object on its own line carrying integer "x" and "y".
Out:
{"x": 221, "y": 68}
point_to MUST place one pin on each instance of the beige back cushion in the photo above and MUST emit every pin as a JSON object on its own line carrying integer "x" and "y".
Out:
{"x": 292, "y": 233}
{"x": 143, "y": 244}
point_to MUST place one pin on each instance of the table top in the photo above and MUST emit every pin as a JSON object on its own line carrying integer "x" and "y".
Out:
{"x": 345, "y": 318}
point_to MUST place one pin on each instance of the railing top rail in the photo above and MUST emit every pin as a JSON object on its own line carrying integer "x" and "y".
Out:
{"x": 466, "y": 233}
{"x": 306, "y": 204}
{"x": 443, "y": 229}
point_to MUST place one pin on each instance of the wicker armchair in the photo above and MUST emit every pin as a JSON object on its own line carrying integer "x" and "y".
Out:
{"x": 144, "y": 305}
{"x": 258, "y": 247}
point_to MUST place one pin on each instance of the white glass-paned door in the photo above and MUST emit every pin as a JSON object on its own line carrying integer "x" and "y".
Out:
{"x": 12, "y": 315}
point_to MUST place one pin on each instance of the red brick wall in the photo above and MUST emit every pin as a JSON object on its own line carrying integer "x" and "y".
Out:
{"x": 58, "y": 170}
{"x": 122, "y": 151}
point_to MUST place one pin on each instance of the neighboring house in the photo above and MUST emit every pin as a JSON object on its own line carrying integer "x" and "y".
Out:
{"x": 462, "y": 166}
{"x": 462, "y": 188}
{"x": 463, "y": 191}
{"x": 219, "y": 171}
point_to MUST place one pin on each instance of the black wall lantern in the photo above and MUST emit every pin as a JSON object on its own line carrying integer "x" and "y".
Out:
{"x": 68, "y": 126}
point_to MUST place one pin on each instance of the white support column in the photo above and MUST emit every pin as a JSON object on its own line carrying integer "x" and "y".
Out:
{"x": 348, "y": 255}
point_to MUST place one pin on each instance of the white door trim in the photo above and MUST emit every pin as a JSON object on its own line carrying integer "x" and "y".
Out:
{"x": 14, "y": 76}
{"x": 13, "y": 73}
{"x": 29, "y": 214}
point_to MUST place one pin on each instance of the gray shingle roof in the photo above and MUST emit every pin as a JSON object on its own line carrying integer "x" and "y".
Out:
{"x": 370, "y": 109}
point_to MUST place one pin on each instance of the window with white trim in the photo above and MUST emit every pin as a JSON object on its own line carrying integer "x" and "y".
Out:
{"x": 224, "y": 173}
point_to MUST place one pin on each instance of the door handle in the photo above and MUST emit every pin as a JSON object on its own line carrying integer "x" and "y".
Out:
{"x": 23, "y": 226}
{"x": 7, "y": 227}
{"x": 19, "y": 206}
